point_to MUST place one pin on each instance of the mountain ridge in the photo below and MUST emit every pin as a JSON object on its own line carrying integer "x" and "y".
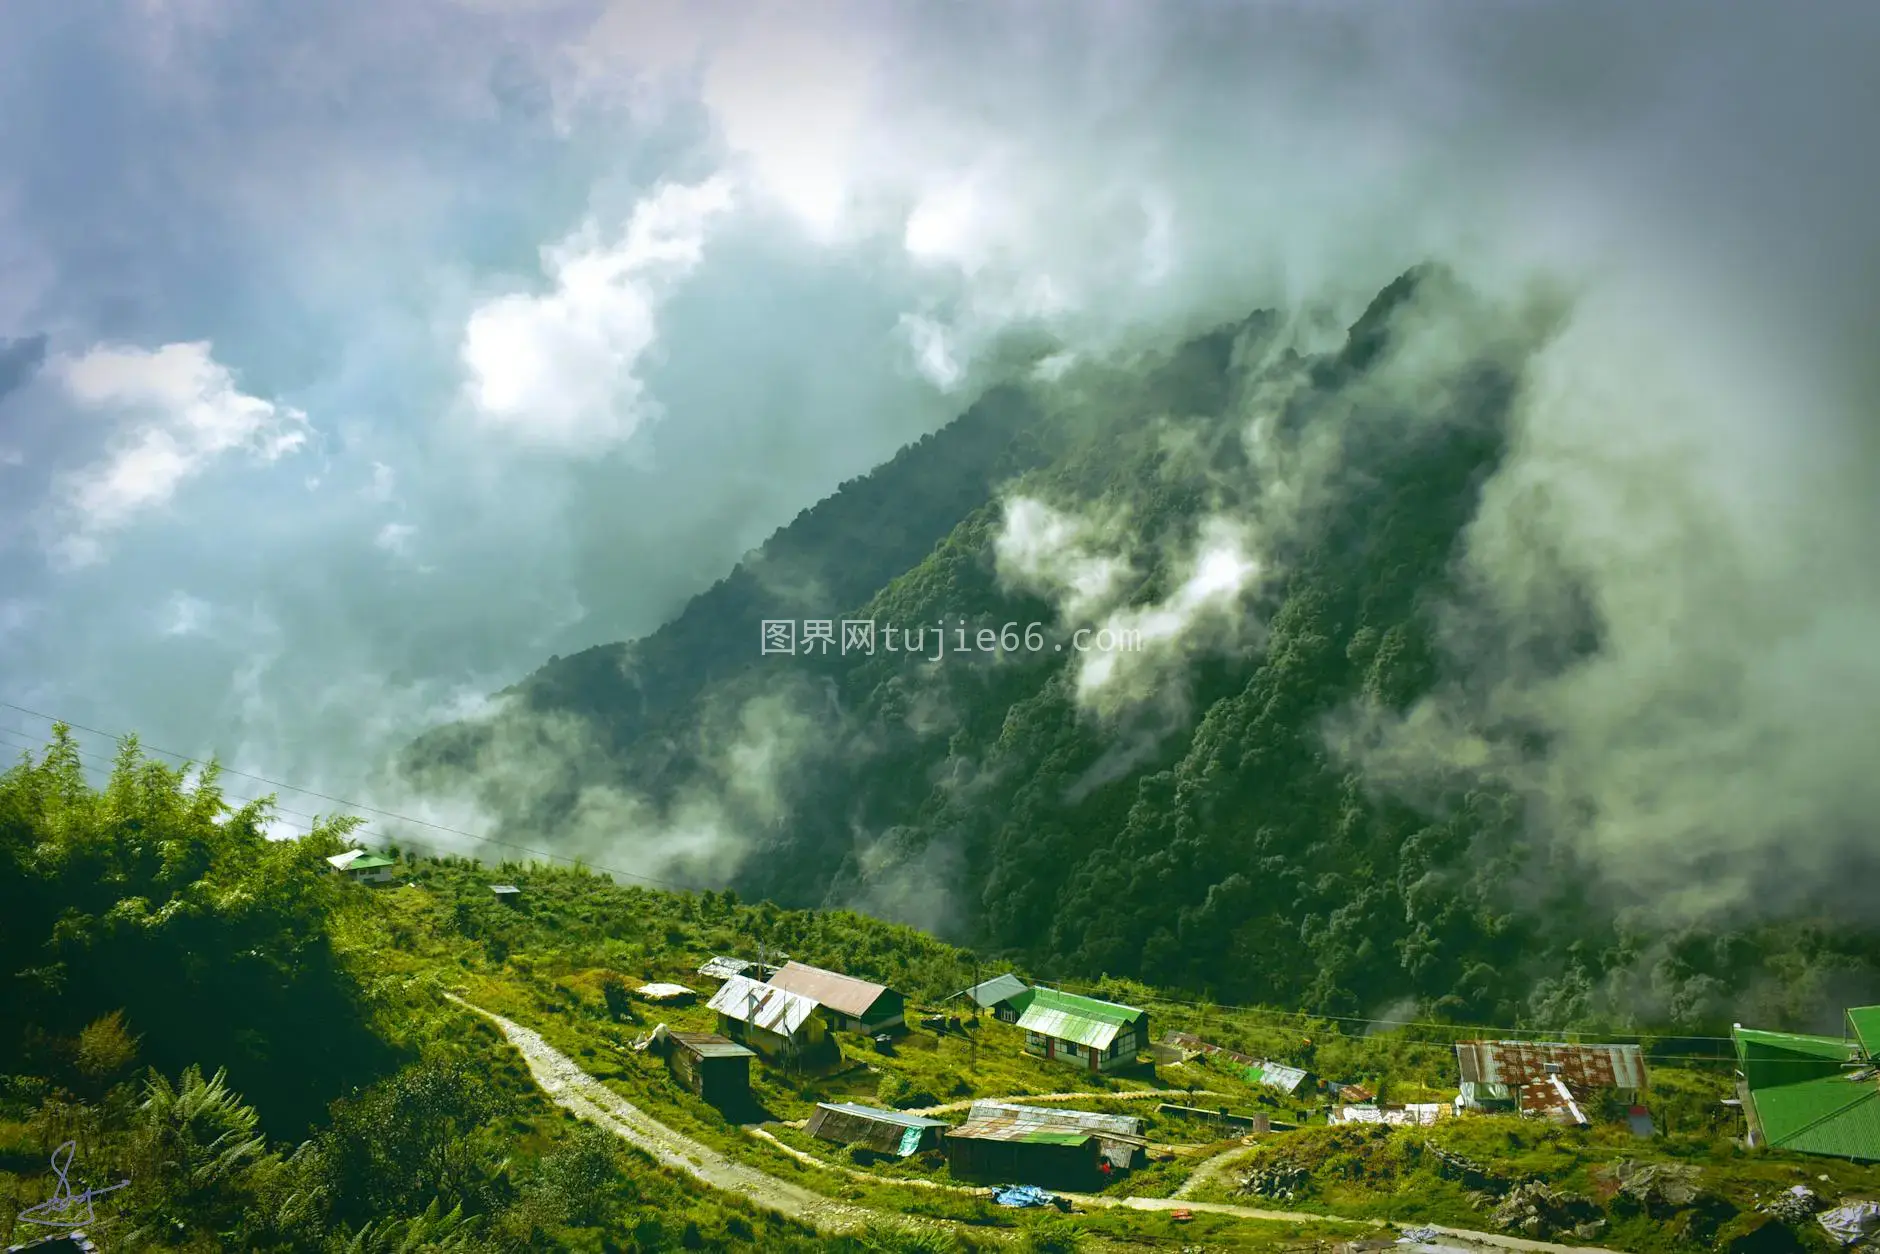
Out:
{"x": 1187, "y": 811}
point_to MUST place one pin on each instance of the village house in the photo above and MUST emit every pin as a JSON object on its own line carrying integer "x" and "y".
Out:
{"x": 1033, "y": 1145}
{"x": 506, "y": 894}
{"x": 893, "y": 1132}
{"x": 1813, "y": 1094}
{"x": 1550, "y": 1080}
{"x": 1006, "y": 996}
{"x": 775, "y": 1022}
{"x": 363, "y": 866}
{"x": 1082, "y": 1031}
{"x": 717, "y": 1069}
{"x": 846, "y": 1003}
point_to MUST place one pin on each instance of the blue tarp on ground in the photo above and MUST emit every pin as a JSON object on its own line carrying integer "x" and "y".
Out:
{"x": 1021, "y": 1195}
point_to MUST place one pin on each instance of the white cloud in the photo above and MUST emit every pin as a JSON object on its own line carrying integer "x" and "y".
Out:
{"x": 1043, "y": 550}
{"x": 384, "y": 483}
{"x": 933, "y": 352}
{"x": 181, "y": 410}
{"x": 791, "y": 101}
{"x": 1203, "y": 610}
{"x": 558, "y": 370}
{"x": 395, "y": 538}
{"x": 185, "y": 615}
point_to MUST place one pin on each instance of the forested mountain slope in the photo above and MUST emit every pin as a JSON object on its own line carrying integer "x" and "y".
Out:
{"x": 1275, "y": 516}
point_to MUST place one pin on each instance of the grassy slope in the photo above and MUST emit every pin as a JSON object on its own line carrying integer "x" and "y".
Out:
{"x": 572, "y": 931}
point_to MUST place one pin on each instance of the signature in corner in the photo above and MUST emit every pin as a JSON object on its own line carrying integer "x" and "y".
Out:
{"x": 66, "y": 1209}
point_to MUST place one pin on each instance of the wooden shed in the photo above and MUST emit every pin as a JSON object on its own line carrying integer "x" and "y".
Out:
{"x": 1036, "y": 1145}
{"x": 717, "y": 1069}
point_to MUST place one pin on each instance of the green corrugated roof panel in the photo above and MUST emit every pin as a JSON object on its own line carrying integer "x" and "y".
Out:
{"x": 1865, "y": 1022}
{"x": 1770, "y": 1059}
{"x": 1086, "y": 1007}
{"x": 1069, "y": 1017}
{"x": 1834, "y": 1115}
{"x": 370, "y": 862}
{"x": 1046, "y": 1136}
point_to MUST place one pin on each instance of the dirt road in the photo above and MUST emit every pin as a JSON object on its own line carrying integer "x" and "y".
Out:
{"x": 568, "y": 1086}
{"x": 1167, "y": 1095}
{"x": 573, "y": 1089}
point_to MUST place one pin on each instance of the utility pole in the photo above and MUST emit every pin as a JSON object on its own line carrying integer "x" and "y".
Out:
{"x": 972, "y": 1037}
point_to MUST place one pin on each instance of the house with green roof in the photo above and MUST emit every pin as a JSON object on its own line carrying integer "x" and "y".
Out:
{"x": 1813, "y": 1094}
{"x": 1082, "y": 1031}
{"x": 363, "y": 866}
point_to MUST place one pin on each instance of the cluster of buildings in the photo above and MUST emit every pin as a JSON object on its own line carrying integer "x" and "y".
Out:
{"x": 786, "y": 1015}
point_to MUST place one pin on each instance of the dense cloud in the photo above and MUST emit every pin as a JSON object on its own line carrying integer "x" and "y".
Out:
{"x": 569, "y": 304}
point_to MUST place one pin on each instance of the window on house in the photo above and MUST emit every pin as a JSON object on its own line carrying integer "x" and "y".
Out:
{"x": 1034, "y": 1040}
{"x": 1070, "y": 1049}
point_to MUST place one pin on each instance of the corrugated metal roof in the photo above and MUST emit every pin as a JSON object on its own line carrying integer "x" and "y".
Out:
{"x": 990, "y": 993}
{"x": 1194, "y": 1044}
{"x": 1810, "y": 1093}
{"x": 901, "y": 1117}
{"x": 724, "y": 968}
{"x": 1834, "y": 1115}
{"x": 1009, "y": 1130}
{"x": 504, "y": 888}
{"x": 1552, "y": 1098}
{"x": 1068, "y": 1017}
{"x": 1277, "y": 1075}
{"x": 1864, "y": 1021}
{"x": 884, "y": 1131}
{"x": 841, "y": 993}
{"x": 1518, "y": 1063}
{"x": 1089, "y": 1120}
{"x": 359, "y": 860}
{"x": 709, "y": 1045}
{"x": 1272, "y": 1074}
{"x": 1767, "y": 1059}
{"x": 763, "y": 1005}
{"x": 1119, "y": 1135}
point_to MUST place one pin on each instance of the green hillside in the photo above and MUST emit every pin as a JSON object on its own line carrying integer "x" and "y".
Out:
{"x": 189, "y": 953}
{"x": 1194, "y": 824}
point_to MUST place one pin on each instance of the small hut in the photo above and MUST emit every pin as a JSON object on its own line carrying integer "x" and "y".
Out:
{"x": 1042, "y": 1146}
{"x": 716, "y": 1069}
{"x": 507, "y": 894}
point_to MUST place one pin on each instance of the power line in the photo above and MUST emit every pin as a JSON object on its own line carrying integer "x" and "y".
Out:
{"x": 1073, "y": 985}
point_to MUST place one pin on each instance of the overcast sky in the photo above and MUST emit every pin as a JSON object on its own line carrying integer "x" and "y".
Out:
{"x": 355, "y": 357}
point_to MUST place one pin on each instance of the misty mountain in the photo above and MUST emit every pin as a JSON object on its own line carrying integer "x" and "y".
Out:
{"x": 1266, "y": 524}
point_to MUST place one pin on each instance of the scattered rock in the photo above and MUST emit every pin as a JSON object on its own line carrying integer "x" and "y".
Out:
{"x": 1660, "y": 1188}
{"x": 1534, "y": 1210}
{"x": 1282, "y": 1180}
{"x": 1794, "y": 1206}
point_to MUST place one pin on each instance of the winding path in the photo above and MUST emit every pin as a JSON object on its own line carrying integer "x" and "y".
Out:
{"x": 1124, "y": 1096}
{"x": 574, "y": 1090}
